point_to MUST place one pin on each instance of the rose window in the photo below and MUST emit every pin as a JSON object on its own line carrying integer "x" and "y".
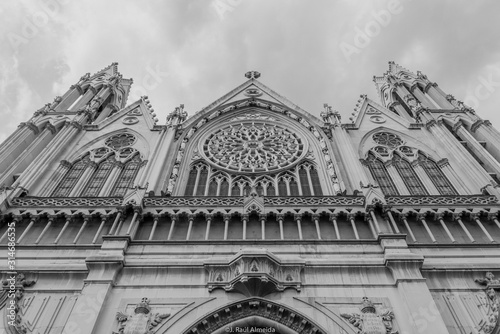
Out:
{"x": 254, "y": 147}
{"x": 387, "y": 139}
{"x": 119, "y": 141}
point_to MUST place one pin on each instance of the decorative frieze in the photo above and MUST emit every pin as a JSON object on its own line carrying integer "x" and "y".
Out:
{"x": 193, "y": 201}
{"x": 66, "y": 202}
{"x": 314, "y": 201}
{"x": 441, "y": 200}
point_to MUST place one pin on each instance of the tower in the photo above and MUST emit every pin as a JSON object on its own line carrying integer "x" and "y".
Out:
{"x": 251, "y": 214}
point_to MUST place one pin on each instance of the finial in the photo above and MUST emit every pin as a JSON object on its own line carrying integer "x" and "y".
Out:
{"x": 252, "y": 75}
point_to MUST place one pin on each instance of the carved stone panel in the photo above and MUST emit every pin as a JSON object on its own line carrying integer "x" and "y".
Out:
{"x": 369, "y": 321}
{"x": 142, "y": 321}
{"x": 254, "y": 273}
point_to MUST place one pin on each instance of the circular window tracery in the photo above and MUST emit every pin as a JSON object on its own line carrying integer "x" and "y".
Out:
{"x": 387, "y": 139}
{"x": 253, "y": 147}
{"x": 121, "y": 140}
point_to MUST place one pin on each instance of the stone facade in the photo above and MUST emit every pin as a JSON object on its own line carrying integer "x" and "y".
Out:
{"x": 251, "y": 215}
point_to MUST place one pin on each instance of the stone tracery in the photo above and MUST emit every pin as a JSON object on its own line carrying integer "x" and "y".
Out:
{"x": 253, "y": 147}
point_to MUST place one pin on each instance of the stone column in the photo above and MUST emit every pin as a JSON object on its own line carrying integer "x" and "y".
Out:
{"x": 103, "y": 269}
{"x": 69, "y": 98}
{"x": 421, "y": 97}
{"x": 472, "y": 173}
{"x": 453, "y": 177}
{"x": 22, "y": 160}
{"x": 24, "y": 134}
{"x": 490, "y": 162}
{"x": 54, "y": 180}
{"x": 89, "y": 94}
{"x": 420, "y": 310}
{"x": 152, "y": 172}
{"x": 490, "y": 135}
{"x": 438, "y": 97}
{"x": 351, "y": 160}
{"x": 55, "y": 148}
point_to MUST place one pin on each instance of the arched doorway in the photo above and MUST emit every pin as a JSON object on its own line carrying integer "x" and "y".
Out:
{"x": 254, "y": 315}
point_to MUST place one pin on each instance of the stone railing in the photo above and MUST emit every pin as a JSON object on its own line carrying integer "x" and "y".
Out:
{"x": 193, "y": 201}
{"x": 315, "y": 201}
{"x": 66, "y": 202}
{"x": 442, "y": 200}
{"x": 303, "y": 201}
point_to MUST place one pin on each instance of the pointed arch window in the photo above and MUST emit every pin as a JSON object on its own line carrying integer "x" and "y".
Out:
{"x": 381, "y": 176}
{"x": 282, "y": 189}
{"x": 127, "y": 176}
{"x": 271, "y": 190}
{"x": 212, "y": 188}
{"x": 436, "y": 175}
{"x": 235, "y": 190}
{"x": 72, "y": 176}
{"x": 96, "y": 182}
{"x": 191, "y": 181}
{"x": 224, "y": 188}
{"x": 202, "y": 184}
{"x": 410, "y": 178}
{"x": 304, "y": 181}
{"x": 316, "y": 184}
{"x": 294, "y": 188}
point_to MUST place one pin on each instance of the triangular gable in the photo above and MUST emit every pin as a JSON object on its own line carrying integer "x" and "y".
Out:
{"x": 140, "y": 109}
{"x": 369, "y": 110}
{"x": 244, "y": 91}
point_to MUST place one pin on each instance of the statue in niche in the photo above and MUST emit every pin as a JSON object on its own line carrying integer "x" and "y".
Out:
{"x": 369, "y": 322}
{"x": 141, "y": 322}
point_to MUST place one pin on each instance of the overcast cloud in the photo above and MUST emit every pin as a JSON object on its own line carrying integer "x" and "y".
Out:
{"x": 311, "y": 52}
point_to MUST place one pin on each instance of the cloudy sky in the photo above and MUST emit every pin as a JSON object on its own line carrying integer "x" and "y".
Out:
{"x": 193, "y": 52}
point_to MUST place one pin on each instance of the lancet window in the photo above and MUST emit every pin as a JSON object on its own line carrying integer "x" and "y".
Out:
{"x": 405, "y": 160}
{"x": 96, "y": 182}
{"x": 380, "y": 174}
{"x": 410, "y": 178}
{"x": 436, "y": 175}
{"x": 205, "y": 181}
{"x": 127, "y": 176}
{"x": 71, "y": 178}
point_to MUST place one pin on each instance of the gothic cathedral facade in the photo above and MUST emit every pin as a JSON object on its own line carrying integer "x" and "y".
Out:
{"x": 251, "y": 215}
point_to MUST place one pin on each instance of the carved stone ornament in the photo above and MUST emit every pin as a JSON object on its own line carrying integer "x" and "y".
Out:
{"x": 253, "y": 147}
{"x": 253, "y": 203}
{"x": 377, "y": 119}
{"x": 130, "y": 120}
{"x": 254, "y": 272}
{"x": 13, "y": 309}
{"x": 141, "y": 322}
{"x": 491, "y": 308}
{"x": 369, "y": 322}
